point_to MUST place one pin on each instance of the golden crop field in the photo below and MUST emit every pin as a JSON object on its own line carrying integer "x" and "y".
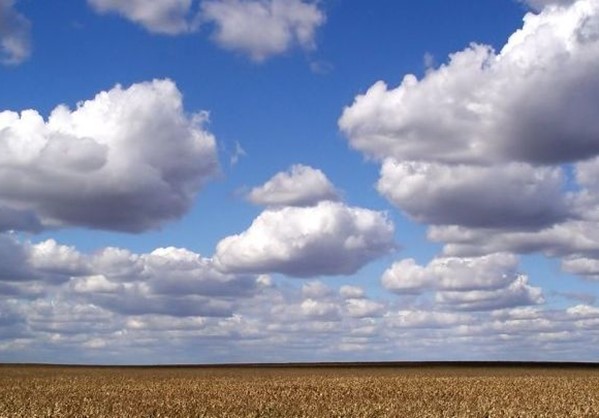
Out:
{"x": 45, "y": 391}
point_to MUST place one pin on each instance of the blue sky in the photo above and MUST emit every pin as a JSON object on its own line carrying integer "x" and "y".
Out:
{"x": 191, "y": 181}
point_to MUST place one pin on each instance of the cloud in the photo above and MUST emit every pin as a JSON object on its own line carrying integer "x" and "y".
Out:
{"x": 13, "y": 261}
{"x": 237, "y": 154}
{"x": 522, "y": 196}
{"x": 475, "y": 283}
{"x": 453, "y": 273}
{"x": 327, "y": 239}
{"x": 15, "y": 43}
{"x": 321, "y": 310}
{"x": 351, "y": 292}
{"x": 169, "y": 281}
{"x": 425, "y": 319}
{"x": 299, "y": 186}
{"x": 534, "y": 101}
{"x": 129, "y": 159}
{"x": 364, "y": 308}
{"x": 169, "y": 17}
{"x": 565, "y": 239}
{"x": 121, "y": 302}
{"x": 263, "y": 28}
{"x": 541, "y": 4}
{"x": 497, "y": 151}
{"x": 517, "y": 293}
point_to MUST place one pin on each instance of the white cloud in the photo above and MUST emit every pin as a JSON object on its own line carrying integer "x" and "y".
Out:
{"x": 322, "y": 310}
{"x": 168, "y": 281}
{"x": 299, "y": 186}
{"x": 129, "y": 302}
{"x": 262, "y": 28}
{"x": 521, "y": 195}
{"x": 129, "y": 159}
{"x": 489, "y": 272}
{"x": 534, "y": 101}
{"x": 327, "y": 239}
{"x": 15, "y": 44}
{"x": 482, "y": 148}
{"x": 316, "y": 290}
{"x": 424, "y": 319}
{"x": 571, "y": 238}
{"x": 517, "y": 293}
{"x": 351, "y": 292}
{"x": 581, "y": 266}
{"x": 364, "y": 308}
{"x": 160, "y": 16}
{"x": 476, "y": 283}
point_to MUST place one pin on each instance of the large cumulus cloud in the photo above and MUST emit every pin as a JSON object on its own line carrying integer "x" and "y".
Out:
{"x": 129, "y": 159}
{"x": 327, "y": 239}
{"x": 534, "y": 101}
{"x": 497, "y": 150}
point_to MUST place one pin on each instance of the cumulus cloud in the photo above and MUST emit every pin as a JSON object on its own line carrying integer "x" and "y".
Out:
{"x": 257, "y": 28}
{"x": 123, "y": 302}
{"x": 565, "y": 239}
{"x": 452, "y": 273}
{"x": 364, "y": 308}
{"x": 129, "y": 159}
{"x": 425, "y": 319}
{"x": 13, "y": 260}
{"x": 467, "y": 283}
{"x": 497, "y": 151}
{"x": 327, "y": 239}
{"x": 517, "y": 293}
{"x": 262, "y": 28}
{"x": 299, "y": 186}
{"x": 168, "y": 281}
{"x": 159, "y": 16}
{"x": 534, "y": 101}
{"x": 351, "y": 292}
{"x": 436, "y": 193}
{"x": 15, "y": 44}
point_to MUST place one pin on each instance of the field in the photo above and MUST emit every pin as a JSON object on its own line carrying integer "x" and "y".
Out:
{"x": 366, "y": 391}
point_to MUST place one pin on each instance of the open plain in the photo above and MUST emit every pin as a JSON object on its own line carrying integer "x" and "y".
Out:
{"x": 299, "y": 391}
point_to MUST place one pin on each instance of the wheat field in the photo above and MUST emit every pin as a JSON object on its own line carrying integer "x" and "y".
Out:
{"x": 52, "y": 391}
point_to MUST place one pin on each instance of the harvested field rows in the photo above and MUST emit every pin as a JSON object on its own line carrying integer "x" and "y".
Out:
{"x": 28, "y": 391}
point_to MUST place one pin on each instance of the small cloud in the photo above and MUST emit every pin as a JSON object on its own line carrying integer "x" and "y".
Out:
{"x": 170, "y": 17}
{"x": 15, "y": 44}
{"x": 263, "y": 28}
{"x": 237, "y": 154}
{"x": 321, "y": 67}
{"x": 301, "y": 185}
{"x": 429, "y": 61}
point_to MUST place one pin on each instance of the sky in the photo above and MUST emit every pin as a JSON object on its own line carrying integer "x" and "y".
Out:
{"x": 223, "y": 181}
